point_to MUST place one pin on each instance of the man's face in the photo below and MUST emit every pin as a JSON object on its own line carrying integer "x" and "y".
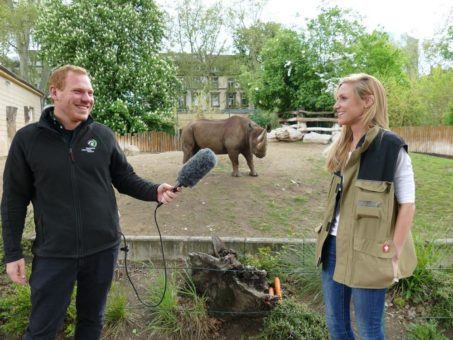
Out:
{"x": 75, "y": 101}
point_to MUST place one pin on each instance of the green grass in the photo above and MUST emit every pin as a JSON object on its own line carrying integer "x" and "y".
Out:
{"x": 434, "y": 196}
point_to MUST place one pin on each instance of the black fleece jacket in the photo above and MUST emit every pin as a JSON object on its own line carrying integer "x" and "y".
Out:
{"x": 70, "y": 187}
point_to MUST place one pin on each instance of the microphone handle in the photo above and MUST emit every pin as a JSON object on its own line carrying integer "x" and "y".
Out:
{"x": 175, "y": 189}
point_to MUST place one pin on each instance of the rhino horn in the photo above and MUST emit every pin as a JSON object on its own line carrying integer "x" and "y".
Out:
{"x": 260, "y": 138}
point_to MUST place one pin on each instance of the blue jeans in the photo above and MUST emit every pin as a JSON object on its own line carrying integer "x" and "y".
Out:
{"x": 368, "y": 303}
{"x": 52, "y": 281}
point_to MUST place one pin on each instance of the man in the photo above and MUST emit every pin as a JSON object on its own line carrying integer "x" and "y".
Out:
{"x": 65, "y": 165}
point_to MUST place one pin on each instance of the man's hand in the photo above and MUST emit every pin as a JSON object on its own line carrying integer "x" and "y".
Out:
{"x": 16, "y": 271}
{"x": 165, "y": 193}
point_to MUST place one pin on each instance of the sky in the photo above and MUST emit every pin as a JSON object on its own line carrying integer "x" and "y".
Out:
{"x": 419, "y": 18}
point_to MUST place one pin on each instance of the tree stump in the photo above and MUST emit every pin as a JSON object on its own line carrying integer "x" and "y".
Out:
{"x": 230, "y": 287}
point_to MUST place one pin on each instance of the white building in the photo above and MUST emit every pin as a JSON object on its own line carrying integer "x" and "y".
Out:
{"x": 20, "y": 104}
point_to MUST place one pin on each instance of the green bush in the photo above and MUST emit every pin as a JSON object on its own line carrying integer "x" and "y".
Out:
{"x": 292, "y": 320}
{"x": 441, "y": 297}
{"x": 265, "y": 119}
{"x": 418, "y": 287}
{"x": 182, "y": 313}
{"x": 430, "y": 285}
{"x": 424, "y": 331}
{"x": 298, "y": 262}
{"x": 117, "y": 316}
{"x": 267, "y": 260}
{"x": 15, "y": 309}
{"x": 164, "y": 317}
{"x": 448, "y": 117}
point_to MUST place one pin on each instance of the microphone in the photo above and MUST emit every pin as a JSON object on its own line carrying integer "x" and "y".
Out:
{"x": 195, "y": 169}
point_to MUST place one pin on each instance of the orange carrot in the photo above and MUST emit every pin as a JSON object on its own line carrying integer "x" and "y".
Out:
{"x": 277, "y": 287}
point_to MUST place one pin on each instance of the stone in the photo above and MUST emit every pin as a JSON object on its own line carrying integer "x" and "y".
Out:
{"x": 130, "y": 150}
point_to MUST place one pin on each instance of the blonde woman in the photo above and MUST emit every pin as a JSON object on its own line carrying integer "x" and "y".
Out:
{"x": 365, "y": 242}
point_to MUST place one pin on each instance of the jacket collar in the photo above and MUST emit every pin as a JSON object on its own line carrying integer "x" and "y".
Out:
{"x": 47, "y": 118}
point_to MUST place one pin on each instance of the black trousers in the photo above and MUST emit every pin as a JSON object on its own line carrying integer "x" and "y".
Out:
{"x": 52, "y": 282}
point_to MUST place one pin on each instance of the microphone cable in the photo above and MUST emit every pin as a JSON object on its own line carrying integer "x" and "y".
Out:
{"x": 126, "y": 250}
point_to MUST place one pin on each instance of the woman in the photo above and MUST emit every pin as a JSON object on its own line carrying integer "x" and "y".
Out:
{"x": 365, "y": 243}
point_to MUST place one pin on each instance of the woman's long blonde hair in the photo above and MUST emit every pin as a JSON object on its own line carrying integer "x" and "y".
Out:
{"x": 364, "y": 86}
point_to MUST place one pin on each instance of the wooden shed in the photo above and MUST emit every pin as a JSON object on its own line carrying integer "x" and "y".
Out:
{"x": 20, "y": 104}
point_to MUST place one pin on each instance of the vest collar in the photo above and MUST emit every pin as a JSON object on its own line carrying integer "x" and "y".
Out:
{"x": 363, "y": 145}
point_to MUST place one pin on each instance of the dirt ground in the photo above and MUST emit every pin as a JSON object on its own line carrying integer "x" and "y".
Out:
{"x": 287, "y": 198}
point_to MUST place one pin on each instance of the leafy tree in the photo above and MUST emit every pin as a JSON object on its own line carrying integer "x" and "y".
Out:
{"x": 375, "y": 54}
{"x": 196, "y": 43}
{"x": 409, "y": 48}
{"x": 249, "y": 42}
{"x": 17, "y": 23}
{"x": 405, "y": 108}
{"x": 448, "y": 118}
{"x": 118, "y": 42}
{"x": 285, "y": 66}
{"x": 439, "y": 49}
{"x": 303, "y": 70}
{"x": 434, "y": 92}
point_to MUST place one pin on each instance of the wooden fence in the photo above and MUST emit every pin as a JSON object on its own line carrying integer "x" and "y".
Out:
{"x": 151, "y": 141}
{"x": 436, "y": 140}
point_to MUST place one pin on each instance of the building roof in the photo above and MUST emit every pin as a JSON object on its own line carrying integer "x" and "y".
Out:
{"x": 8, "y": 75}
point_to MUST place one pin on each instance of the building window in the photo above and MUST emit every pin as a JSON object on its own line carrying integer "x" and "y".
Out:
{"x": 215, "y": 83}
{"x": 182, "y": 105}
{"x": 231, "y": 101}
{"x": 197, "y": 82}
{"x": 215, "y": 99}
{"x": 195, "y": 98}
{"x": 231, "y": 84}
{"x": 28, "y": 114}
{"x": 244, "y": 100}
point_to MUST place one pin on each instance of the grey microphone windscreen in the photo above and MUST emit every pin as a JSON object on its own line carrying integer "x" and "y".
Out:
{"x": 196, "y": 168}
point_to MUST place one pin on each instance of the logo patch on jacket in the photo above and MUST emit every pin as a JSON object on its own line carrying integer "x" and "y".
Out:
{"x": 92, "y": 143}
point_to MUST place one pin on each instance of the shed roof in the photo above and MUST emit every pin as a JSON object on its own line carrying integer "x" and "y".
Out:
{"x": 8, "y": 75}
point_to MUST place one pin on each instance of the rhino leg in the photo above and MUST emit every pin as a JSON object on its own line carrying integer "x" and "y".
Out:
{"x": 249, "y": 158}
{"x": 187, "y": 155}
{"x": 234, "y": 157}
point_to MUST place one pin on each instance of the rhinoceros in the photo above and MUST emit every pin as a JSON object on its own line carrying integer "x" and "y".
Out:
{"x": 233, "y": 136}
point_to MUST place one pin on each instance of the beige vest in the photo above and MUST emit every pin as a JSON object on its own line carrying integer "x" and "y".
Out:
{"x": 364, "y": 239}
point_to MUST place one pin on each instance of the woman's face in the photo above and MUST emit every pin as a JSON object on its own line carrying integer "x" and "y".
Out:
{"x": 348, "y": 105}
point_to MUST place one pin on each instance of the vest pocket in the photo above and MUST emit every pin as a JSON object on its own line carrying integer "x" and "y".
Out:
{"x": 371, "y": 197}
{"x": 372, "y": 263}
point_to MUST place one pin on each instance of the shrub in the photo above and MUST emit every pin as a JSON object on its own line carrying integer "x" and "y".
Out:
{"x": 424, "y": 331}
{"x": 117, "y": 316}
{"x": 448, "y": 116}
{"x": 267, "y": 260}
{"x": 428, "y": 286}
{"x": 265, "y": 119}
{"x": 441, "y": 297}
{"x": 291, "y": 320}
{"x": 15, "y": 310}
{"x": 164, "y": 317}
{"x": 182, "y": 313}
{"x": 302, "y": 273}
{"x": 417, "y": 288}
